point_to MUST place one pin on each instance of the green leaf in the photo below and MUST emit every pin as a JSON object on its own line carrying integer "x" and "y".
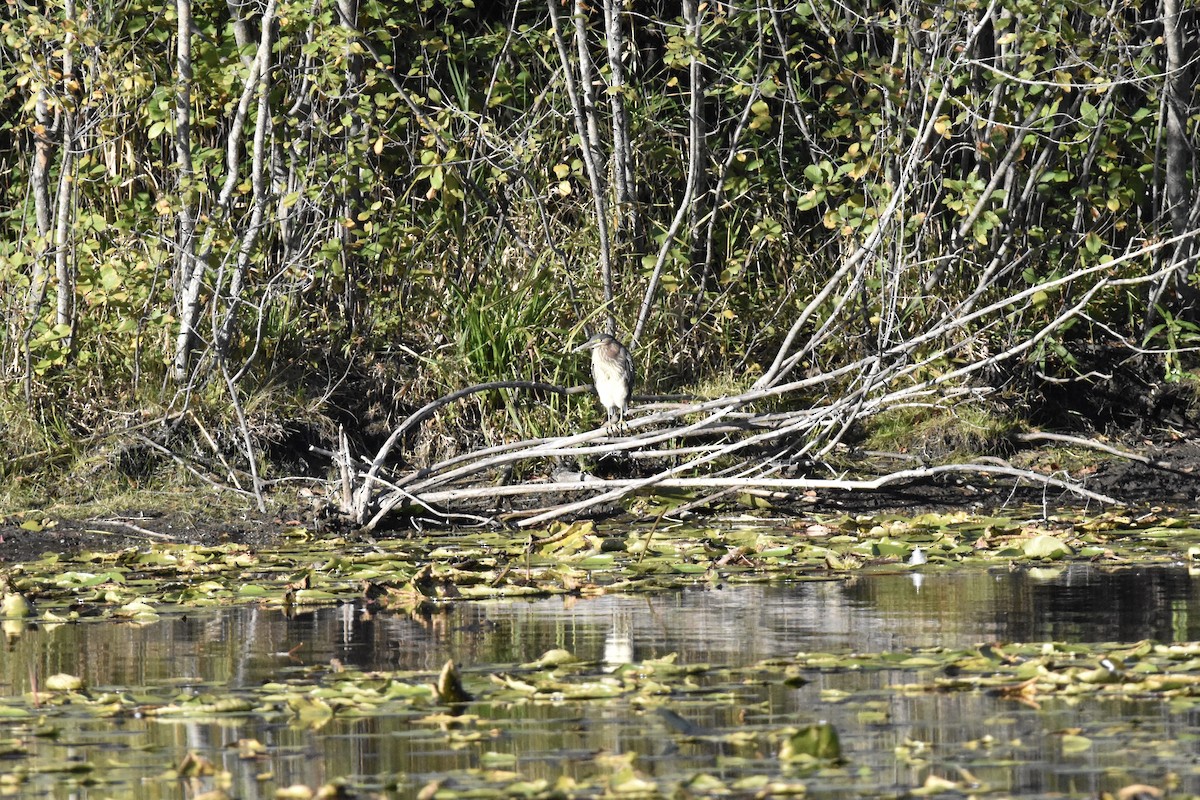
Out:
{"x": 110, "y": 279}
{"x": 1088, "y": 113}
{"x": 810, "y": 200}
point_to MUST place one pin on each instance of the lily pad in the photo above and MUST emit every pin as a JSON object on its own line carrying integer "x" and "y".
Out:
{"x": 1046, "y": 547}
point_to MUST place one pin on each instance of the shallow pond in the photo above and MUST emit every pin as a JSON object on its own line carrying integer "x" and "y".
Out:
{"x": 706, "y": 690}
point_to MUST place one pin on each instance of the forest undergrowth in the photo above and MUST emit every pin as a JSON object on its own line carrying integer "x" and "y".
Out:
{"x": 346, "y": 250}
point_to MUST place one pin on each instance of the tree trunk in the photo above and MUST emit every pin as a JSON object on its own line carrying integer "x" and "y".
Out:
{"x": 622, "y": 155}
{"x": 39, "y": 186}
{"x": 1179, "y": 154}
{"x": 259, "y": 182}
{"x": 238, "y": 17}
{"x": 1174, "y": 291}
{"x": 189, "y": 270}
{"x": 697, "y": 140}
{"x": 352, "y": 194}
{"x": 590, "y": 137}
{"x": 64, "y": 272}
{"x": 584, "y": 112}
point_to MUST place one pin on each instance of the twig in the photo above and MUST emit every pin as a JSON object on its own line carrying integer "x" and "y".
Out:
{"x": 1092, "y": 444}
{"x": 245, "y": 429}
{"x": 120, "y": 523}
{"x": 363, "y": 500}
{"x": 183, "y": 463}
{"x": 213, "y": 446}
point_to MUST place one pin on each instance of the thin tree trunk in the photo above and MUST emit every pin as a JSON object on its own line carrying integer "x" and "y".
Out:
{"x": 622, "y": 161}
{"x": 697, "y": 141}
{"x": 64, "y": 272}
{"x": 241, "y": 28}
{"x": 259, "y": 182}
{"x": 1179, "y": 155}
{"x": 692, "y": 22}
{"x": 587, "y": 82}
{"x": 710, "y": 267}
{"x": 63, "y": 268}
{"x": 1176, "y": 190}
{"x": 289, "y": 157}
{"x": 588, "y": 132}
{"x": 591, "y": 141}
{"x": 39, "y": 184}
{"x": 189, "y": 270}
{"x": 352, "y": 199}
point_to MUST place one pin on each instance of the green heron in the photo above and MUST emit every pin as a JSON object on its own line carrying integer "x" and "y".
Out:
{"x": 612, "y": 371}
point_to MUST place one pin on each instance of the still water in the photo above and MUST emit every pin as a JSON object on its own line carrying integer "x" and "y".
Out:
{"x": 1014, "y": 748}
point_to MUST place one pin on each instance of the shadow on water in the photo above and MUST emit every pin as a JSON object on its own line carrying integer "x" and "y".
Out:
{"x": 892, "y": 740}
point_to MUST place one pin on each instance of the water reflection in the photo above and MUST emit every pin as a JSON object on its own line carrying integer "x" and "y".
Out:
{"x": 618, "y": 642}
{"x": 733, "y": 625}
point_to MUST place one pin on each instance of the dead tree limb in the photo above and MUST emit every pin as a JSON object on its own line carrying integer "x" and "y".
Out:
{"x": 771, "y": 423}
{"x": 363, "y": 494}
{"x": 783, "y": 485}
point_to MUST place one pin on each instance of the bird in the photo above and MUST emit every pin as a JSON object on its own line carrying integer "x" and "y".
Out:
{"x": 612, "y": 371}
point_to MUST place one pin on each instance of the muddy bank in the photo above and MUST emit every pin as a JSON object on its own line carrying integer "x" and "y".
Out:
{"x": 29, "y": 535}
{"x": 72, "y": 536}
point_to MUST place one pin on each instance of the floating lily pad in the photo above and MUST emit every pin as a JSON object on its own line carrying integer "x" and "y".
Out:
{"x": 1046, "y": 546}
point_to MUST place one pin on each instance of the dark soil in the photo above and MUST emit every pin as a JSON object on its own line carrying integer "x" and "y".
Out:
{"x": 74, "y": 536}
{"x": 1144, "y": 485}
{"x": 1173, "y": 484}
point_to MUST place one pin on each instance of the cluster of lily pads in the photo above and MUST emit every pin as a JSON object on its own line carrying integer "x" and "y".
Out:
{"x": 579, "y": 558}
{"x": 770, "y": 758}
{"x": 139, "y": 585}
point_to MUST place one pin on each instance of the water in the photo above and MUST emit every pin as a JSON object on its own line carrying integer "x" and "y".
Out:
{"x": 1012, "y": 747}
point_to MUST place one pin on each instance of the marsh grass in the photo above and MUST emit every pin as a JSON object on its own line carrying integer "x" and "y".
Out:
{"x": 942, "y": 434}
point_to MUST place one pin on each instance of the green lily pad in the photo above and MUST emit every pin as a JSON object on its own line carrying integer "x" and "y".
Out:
{"x": 1045, "y": 546}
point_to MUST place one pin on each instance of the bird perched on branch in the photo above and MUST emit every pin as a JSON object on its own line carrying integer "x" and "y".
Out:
{"x": 612, "y": 372}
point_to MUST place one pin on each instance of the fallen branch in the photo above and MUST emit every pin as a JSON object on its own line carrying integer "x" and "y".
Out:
{"x": 621, "y": 487}
{"x": 181, "y": 461}
{"x": 363, "y": 500}
{"x": 135, "y": 529}
{"x": 773, "y": 421}
{"x": 1092, "y": 444}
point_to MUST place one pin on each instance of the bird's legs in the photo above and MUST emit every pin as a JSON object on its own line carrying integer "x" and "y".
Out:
{"x": 615, "y": 425}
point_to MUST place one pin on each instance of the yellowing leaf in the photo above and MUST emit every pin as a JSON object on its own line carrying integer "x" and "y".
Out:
{"x": 1073, "y": 743}
{"x": 1046, "y": 546}
{"x": 62, "y": 682}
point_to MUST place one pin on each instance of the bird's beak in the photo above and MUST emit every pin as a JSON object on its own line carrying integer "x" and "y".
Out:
{"x": 583, "y": 346}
